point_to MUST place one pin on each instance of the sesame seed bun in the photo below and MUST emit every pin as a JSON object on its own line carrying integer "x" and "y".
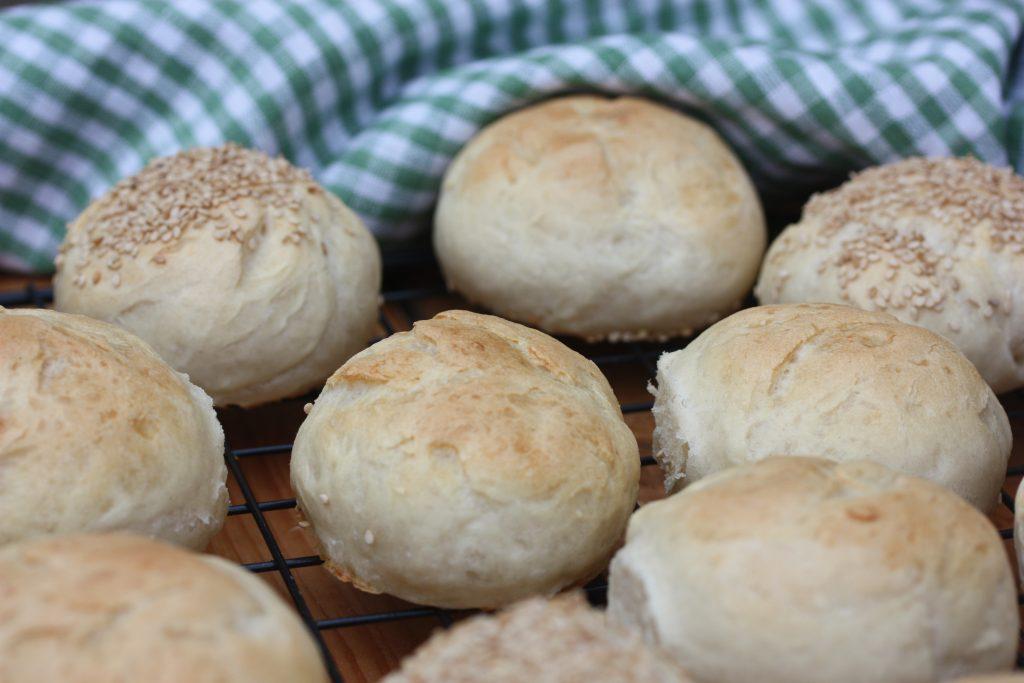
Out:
{"x": 833, "y": 381}
{"x": 237, "y": 268}
{"x": 802, "y": 570}
{"x": 470, "y": 462}
{"x": 115, "y": 607}
{"x": 601, "y": 218}
{"x": 935, "y": 242}
{"x": 97, "y": 433}
{"x": 562, "y": 640}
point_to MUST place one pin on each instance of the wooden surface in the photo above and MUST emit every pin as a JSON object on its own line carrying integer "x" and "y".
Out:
{"x": 368, "y": 651}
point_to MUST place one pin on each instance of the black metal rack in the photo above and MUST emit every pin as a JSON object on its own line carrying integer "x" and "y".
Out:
{"x": 410, "y": 278}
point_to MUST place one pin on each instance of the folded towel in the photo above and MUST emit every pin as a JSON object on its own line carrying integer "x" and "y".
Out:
{"x": 375, "y": 96}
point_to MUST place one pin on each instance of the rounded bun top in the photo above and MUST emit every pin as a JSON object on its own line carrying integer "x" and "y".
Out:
{"x": 743, "y": 575}
{"x": 236, "y": 267}
{"x": 469, "y": 462}
{"x": 459, "y": 341}
{"x": 938, "y": 242}
{"x": 145, "y": 215}
{"x": 479, "y": 372}
{"x": 853, "y": 504}
{"x": 600, "y": 217}
{"x": 957, "y": 193}
{"x": 96, "y": 608}
{"x": 590, "y": 157}
{"x": 542, "y": 641}
{"x": 470, "y": 341}
{"x": 782, "y": 344}
{"x": 98, "y": 433}
{"x": 834, "y": 381}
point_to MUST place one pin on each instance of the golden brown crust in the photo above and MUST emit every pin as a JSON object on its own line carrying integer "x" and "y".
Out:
{"x": 488, "y": 408}
{"x": 465, "y": 339}
{"x": 92, "y": 412}
{"x": 795, "y": 570}
{"x": 833, "y": 381}
{"x": 343, "y": 575}
{"x": 115, "y": 607}
{"x": 466, "y": 463}
{"x": 602, "y": 218}
{"x": 855, "y": 502}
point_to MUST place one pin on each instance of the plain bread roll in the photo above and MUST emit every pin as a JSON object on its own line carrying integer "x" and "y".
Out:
{"x": 835, "y": 381}
{"x": 97, "y": 434}
{"x": 601, "y": 218}
{"x": 802, "y": 570}
{"x": 470, "y": 462}
{"x": 115, "y": 607}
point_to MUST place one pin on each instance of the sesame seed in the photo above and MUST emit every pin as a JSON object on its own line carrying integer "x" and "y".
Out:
{"x": 187, "y": 191}
{"x": 894, "y": 208}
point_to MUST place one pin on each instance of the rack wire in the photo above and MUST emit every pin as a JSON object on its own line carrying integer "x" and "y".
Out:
{"x": 413, "y": 290}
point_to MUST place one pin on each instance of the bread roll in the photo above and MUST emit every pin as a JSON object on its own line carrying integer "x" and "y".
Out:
{"x": 832, "y": 381}
{"x": 802, "y": 570}
{"x": 239, "y": 269}
{"x": 562, "y": 640}
{"x": 97, "y": 433}
{"x": 470, "y": 462}
{"x": 935, "y": 242}
{"x": 601, "y": 218}
{"x": 116, "y": 607}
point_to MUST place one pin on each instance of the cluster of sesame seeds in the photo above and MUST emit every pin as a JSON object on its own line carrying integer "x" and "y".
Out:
{"x": 198, "y": 188}
{"x": 895, "y": 252}
{"x": 957, "y": 193}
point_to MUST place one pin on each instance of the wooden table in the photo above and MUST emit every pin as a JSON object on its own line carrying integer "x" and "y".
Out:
{"x": 367, "y": 635}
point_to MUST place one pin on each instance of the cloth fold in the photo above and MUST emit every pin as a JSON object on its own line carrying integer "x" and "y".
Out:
{"x": 376, "y": 96}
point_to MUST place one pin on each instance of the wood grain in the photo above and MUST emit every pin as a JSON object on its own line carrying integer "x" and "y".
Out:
{"x": 366, "y": 652}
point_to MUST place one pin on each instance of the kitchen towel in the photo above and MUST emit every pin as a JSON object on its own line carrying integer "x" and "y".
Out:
{"x": 376, "y": 96}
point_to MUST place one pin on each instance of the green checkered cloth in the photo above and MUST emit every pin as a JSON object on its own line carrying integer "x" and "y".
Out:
{"x": 375, "y": 96}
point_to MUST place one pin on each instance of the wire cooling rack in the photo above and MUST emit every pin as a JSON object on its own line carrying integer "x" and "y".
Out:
{"x": 413, "y": 290}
